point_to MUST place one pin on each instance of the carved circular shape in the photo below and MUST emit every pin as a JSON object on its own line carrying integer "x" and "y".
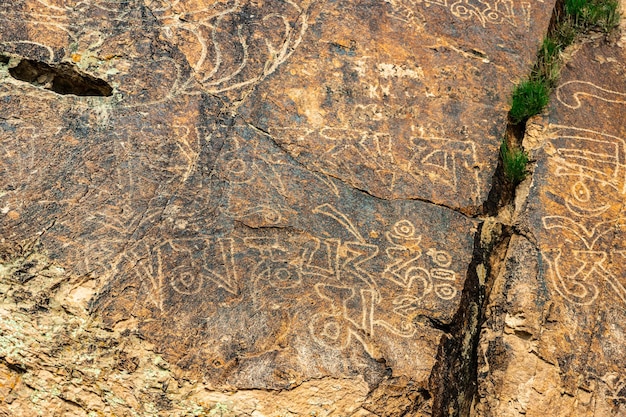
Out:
{"x": 404, "y": 228}
{"x": 441, "y": 258}
{"x": 280, "y": 275}
{"x": 445, "y": 291}
{"x": 330, "y": 330}
{"x": 187, "y": 283}
{"x": 493, "y": 16}
{"x": 237, "y": 166}
{"x": 581, "y": 192}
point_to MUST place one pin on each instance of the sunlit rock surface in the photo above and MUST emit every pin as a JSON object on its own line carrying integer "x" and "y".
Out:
{"x": 261, "y": 207}
{"x": 553, "y": 343}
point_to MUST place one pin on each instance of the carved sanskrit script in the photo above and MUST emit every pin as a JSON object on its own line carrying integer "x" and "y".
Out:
{"x": 592, "y": 165}
{"x": 484, "y": 12}
{"x": 349, "y": 276}
{"x": 424, "y": 161}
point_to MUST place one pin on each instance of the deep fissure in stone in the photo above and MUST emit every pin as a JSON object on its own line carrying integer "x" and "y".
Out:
{"x": 455, "y": 378}
{"x": 61, "y": 78}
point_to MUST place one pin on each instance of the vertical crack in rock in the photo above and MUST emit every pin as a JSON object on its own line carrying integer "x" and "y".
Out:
{"x": 62, "y": 78}
{"x": 454, "y": 381}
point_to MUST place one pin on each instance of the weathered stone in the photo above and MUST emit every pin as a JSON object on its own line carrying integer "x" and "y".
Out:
{"x": 403, "y": 99}
{"x": 199, "y": 197}
{"x": 553, "y": 343}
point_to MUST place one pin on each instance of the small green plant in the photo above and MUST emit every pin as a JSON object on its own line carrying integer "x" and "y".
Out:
{"x": 514, "y": 161}
{"x": 577, "y": 17}
{"x": 549, "y": 61}
{"x": 565, "y": 32}
{"x": 593, "y": 14}
{"x": 529, "y": 98}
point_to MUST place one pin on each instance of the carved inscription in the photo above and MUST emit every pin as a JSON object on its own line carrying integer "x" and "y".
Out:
{"x": 483, "y": 12}
{"x": 233, "y": 44}
{"x": 353, "y": 301}
{"x": 427, "y": 161}
{"x": 591, "y": 166}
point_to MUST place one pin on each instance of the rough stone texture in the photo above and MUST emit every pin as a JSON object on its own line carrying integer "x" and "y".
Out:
{"x": 246, "y": 207}
{"x": 553, "y": 343}
{"x": 403, "y": 99}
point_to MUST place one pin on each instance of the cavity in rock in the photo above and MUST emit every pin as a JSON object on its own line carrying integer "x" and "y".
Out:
{"x": 61, "y": 78}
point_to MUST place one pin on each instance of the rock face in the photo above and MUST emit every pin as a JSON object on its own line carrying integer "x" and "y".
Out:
{"x": 271, "y": 208}
{"x": 553, "y": 342}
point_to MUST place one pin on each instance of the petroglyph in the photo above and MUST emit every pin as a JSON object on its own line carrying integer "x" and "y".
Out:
{"x": 593, "y": 166}
{"x": 341, "y": 271}
{"x": 263, "y": 198}
{"x": 483, "y": 12}
{"x": 570, "y": 93}
{"x": 446, "y": 161}
{"x": 425, "y": 160}
{"x": 590, "y": 156}
{"x": 181, "y": 266}
{"x": 230, "y": 45}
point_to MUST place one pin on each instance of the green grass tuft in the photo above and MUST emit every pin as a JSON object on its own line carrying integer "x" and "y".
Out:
{"x": 593, "y": 14}
{"x": 514, "y": 162}
{"x": 578, "y": 17}
{"x": 529, "y": 98}
{"x": 549, "y": 61}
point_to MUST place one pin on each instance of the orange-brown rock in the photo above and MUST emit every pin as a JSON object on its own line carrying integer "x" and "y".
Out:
{"x": 553, "y": 343}
{"x": 248, "y": 207}
{"x": 403, "y": 99}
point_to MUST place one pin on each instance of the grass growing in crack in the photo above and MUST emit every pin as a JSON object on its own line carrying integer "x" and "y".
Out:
{"x": 529, "y": 98}
{"x": 600, "y": 15}
{"x": 514, "y": 162}
{"x": 548, "y": 65}
{"x": 578, "y": 17}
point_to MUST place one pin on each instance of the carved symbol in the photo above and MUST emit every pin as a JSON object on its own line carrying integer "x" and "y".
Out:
{"x": 406, "y": 271}
{"x": 337, "y": 328}
{"x": 589, "y": 237}
{"x": 590, "y": 155}
{"x": 321, "y": 258}
{"x": 227, "y": 54}
{"x": 228, "y": 279}
{"x": 186, "y": 282}
{"x": 499, "y": 12}
{"x": 333, "y": 329}
{"x": 569, "y": 93}
{"x": 445, "y": 161}
{"x": 494, "y": 12}
{"x": 578, "y": 288}
{"x": 276, "y": 268}
{"x": 404, "y": 254}
{"x": 595, "y": 164}
{"x": 332, "y": 212}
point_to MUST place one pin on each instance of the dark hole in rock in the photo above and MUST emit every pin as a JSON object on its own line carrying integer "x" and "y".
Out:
{"x": 4, "y": 59}
{"x": 61, "y": 78}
